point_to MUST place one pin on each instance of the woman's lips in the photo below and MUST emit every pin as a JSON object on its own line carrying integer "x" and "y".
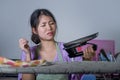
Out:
{"x": 50, "y": 33}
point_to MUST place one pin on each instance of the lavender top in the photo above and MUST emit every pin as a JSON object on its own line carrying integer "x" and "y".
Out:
{"x": 64, "y": 56}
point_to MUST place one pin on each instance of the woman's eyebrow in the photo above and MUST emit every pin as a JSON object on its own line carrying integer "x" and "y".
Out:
{"x": 43, "y": 23}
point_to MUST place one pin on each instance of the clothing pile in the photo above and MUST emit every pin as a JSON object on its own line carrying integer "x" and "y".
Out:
{"x": 9, "y": 62}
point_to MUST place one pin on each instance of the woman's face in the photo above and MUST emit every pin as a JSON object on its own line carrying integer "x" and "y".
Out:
{"x": 46, "y": 28}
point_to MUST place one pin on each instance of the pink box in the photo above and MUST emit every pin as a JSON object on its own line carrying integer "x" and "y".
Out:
{"x": 107, "y": 45}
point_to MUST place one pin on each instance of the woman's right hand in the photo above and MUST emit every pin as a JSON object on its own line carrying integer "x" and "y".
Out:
{"x": 23, "y": 44}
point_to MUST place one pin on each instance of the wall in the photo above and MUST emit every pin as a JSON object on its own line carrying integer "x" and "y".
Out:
{"x": 75, "y": 18}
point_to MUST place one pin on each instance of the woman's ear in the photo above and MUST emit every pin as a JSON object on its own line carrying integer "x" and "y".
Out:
{"x": 34, "y": 31}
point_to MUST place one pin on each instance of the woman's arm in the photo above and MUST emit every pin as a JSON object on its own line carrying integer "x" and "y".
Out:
{"x": 26, "y": 56}
{"x": 27, "y": 76}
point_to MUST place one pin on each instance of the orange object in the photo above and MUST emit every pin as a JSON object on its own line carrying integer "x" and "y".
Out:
{"x": 20, "y": 63}
{"x": 1, "y": 60}
{"x": 35, "y": 62}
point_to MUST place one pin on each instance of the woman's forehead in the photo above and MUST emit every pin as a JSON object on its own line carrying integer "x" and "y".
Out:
{"x": 44, "y": 18}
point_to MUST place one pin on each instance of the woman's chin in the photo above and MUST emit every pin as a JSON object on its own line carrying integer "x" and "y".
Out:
{"x": 50, "y": 39}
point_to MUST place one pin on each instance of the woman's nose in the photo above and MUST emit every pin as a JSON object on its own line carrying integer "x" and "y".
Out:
{"x": 49, "y": 27}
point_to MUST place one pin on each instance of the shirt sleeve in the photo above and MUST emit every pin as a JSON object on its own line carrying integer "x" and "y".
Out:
{"x": 68, "y": 59}
{"x": 65, "y": 54}
{"x": 23, "y": 58}
{"x": 23, "y": 55}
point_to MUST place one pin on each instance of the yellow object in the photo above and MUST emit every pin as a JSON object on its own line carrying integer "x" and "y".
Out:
{"x": 20, "y": 63}
{"x": 1, "y": 60}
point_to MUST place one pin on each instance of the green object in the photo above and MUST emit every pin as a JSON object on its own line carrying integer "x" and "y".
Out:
{"x": 54, "y": 76}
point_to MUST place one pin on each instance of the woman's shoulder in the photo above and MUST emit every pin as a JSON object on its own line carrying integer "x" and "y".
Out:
{"x": 32, "y": 48}
{"x": 65, "y": 53}
{"x": 61, "y": 44}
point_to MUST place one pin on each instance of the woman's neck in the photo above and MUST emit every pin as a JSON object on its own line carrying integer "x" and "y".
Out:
{"x": 48, "y": 45}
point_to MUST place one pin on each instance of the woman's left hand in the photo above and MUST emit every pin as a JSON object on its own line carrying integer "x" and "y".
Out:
{"x": 88, "y": 53}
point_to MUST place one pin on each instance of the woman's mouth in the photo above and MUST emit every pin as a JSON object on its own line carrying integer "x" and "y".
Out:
{"x": 50, "y": 33}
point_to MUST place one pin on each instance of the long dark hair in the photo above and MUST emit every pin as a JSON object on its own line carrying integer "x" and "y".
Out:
{"x": 34, "y": 22}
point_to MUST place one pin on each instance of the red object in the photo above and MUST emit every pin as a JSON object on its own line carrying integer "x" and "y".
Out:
{"x": 10, "y": 63}
{"x": 78, "y": 49}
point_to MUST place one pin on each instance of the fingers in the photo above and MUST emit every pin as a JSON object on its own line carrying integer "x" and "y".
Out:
{"x": 89, "y": 53}
{"x": 23, "y": 43}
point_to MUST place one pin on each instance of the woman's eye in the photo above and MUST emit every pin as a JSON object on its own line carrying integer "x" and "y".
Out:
{"x": 51, "y": 23}
{"x": 43, "y": 25}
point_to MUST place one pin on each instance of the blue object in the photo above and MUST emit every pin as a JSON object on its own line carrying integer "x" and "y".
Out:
{"x": 88, "y": 77}
{"x": 109, "y": 55}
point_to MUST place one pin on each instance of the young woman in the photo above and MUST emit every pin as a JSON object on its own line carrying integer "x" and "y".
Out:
{"x": 43, "y": 26}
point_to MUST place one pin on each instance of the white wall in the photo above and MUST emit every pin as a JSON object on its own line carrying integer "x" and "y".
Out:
{"x": 76, "y": 18}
